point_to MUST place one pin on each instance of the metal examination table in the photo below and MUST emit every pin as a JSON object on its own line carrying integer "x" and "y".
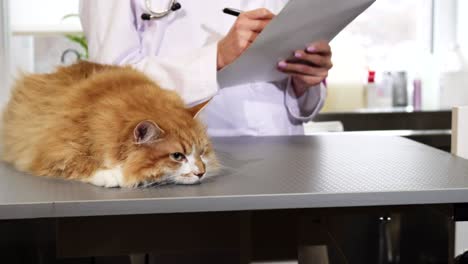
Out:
{"x": 264, "y": 204}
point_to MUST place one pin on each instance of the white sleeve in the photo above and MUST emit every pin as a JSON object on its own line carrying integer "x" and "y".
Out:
{"x": 112, "y": 34}
{"x": 308, "y": 105}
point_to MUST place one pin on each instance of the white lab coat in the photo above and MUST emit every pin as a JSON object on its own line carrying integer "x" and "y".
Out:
{"x": 179, "y": 52}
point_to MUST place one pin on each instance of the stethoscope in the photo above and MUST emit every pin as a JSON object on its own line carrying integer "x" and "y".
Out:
{"x": 173, "y": 6}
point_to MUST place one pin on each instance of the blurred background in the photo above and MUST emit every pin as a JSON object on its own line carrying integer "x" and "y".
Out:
{"x": 398, "y": 70}
{"x": 415, "y": 41}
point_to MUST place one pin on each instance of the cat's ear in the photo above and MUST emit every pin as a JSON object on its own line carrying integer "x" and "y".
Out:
{"x": 195, "y": 110}
{"x": 146, "y": 132}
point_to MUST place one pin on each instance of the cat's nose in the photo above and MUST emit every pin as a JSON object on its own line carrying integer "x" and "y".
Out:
{"x": 199, "y": 175}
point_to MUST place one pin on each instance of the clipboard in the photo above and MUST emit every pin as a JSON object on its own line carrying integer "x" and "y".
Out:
{"x": 298, "y": 24}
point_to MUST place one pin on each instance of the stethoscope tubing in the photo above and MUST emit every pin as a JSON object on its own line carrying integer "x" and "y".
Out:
{"x": 173, "y": 5}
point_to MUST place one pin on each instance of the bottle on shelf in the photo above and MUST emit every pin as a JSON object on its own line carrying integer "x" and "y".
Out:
{"x": 370, "y": 91}
{"x": 399, "y": 89}
{"x": 417, "y": 94}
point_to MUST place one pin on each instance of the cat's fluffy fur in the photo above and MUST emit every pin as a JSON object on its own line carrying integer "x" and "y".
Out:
{"x": 107, "y": 125}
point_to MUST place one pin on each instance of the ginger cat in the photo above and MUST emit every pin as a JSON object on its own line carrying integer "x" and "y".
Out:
{"x": 105, "y": 125}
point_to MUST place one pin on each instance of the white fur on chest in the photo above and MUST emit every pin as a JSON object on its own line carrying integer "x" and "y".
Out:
{"x": 107, "y": 178}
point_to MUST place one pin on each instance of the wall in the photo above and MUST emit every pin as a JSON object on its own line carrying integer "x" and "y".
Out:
{"x": 4, "y": 54}
{"x": 41, "y": 12}
{"x": 392, "y": 35}
{"x": 34, "y": 53}
{"x": 462, "y": 27}
{"x": 25, "y": 16}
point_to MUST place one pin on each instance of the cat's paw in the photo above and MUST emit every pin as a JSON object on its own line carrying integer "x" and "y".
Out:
{"x": 107, "y": 178}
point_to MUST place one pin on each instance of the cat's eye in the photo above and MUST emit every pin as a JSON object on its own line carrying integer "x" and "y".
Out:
{"x": 204, "y": 150}
{"x": 177, "y": 156}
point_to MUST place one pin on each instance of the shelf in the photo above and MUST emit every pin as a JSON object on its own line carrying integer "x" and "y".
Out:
{"x": 46, "y": 30}
{"x": 388, "y": 110}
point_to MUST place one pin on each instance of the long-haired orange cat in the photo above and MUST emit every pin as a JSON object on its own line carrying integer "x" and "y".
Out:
{"x": 106, "y": 125}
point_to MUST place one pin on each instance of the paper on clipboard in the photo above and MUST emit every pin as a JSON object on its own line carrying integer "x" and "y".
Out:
{"x": 298, "y": 24}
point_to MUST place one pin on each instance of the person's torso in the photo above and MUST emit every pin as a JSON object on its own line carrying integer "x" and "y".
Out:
{"x": 250, "y": 109}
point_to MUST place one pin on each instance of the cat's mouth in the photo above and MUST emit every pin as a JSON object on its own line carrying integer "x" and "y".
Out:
{"x": 155, "y": 183}
{"x": 178, "y": 180}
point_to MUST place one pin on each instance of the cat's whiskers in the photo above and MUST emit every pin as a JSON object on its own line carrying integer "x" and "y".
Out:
{"x": 221, "y": 166}
{"x": 164, "y": 180}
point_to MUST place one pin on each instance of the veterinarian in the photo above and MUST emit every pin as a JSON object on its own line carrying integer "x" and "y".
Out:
{"x": 183, "y": 45}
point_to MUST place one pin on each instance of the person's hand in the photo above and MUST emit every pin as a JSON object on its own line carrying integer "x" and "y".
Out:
{"x": 244, "y": 31}
{"x": 308, "y": 67}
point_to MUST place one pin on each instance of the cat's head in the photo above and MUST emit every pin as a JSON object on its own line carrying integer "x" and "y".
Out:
{"x": 175, "y": 149}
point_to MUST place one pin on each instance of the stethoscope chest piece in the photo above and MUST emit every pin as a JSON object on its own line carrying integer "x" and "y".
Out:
{"x": 173, "y": 6}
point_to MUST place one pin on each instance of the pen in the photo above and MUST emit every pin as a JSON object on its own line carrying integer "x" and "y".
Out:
{"x": 232, "y": 11}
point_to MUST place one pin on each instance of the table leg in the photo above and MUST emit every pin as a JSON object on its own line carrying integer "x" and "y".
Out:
{"x": 313, "y": 254}
{"x": 245, "y": 240}
{"x": 313, "y": 238}
{"x": 139, "y": 259}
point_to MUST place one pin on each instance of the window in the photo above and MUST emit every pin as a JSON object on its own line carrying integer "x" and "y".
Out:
{"x": 38, "y": 38}
{"x": 392, "y": 35}
{"x": 4, "y": 51}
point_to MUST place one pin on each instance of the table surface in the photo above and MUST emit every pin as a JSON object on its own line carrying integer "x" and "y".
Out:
{"x": 264, "y": 173}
